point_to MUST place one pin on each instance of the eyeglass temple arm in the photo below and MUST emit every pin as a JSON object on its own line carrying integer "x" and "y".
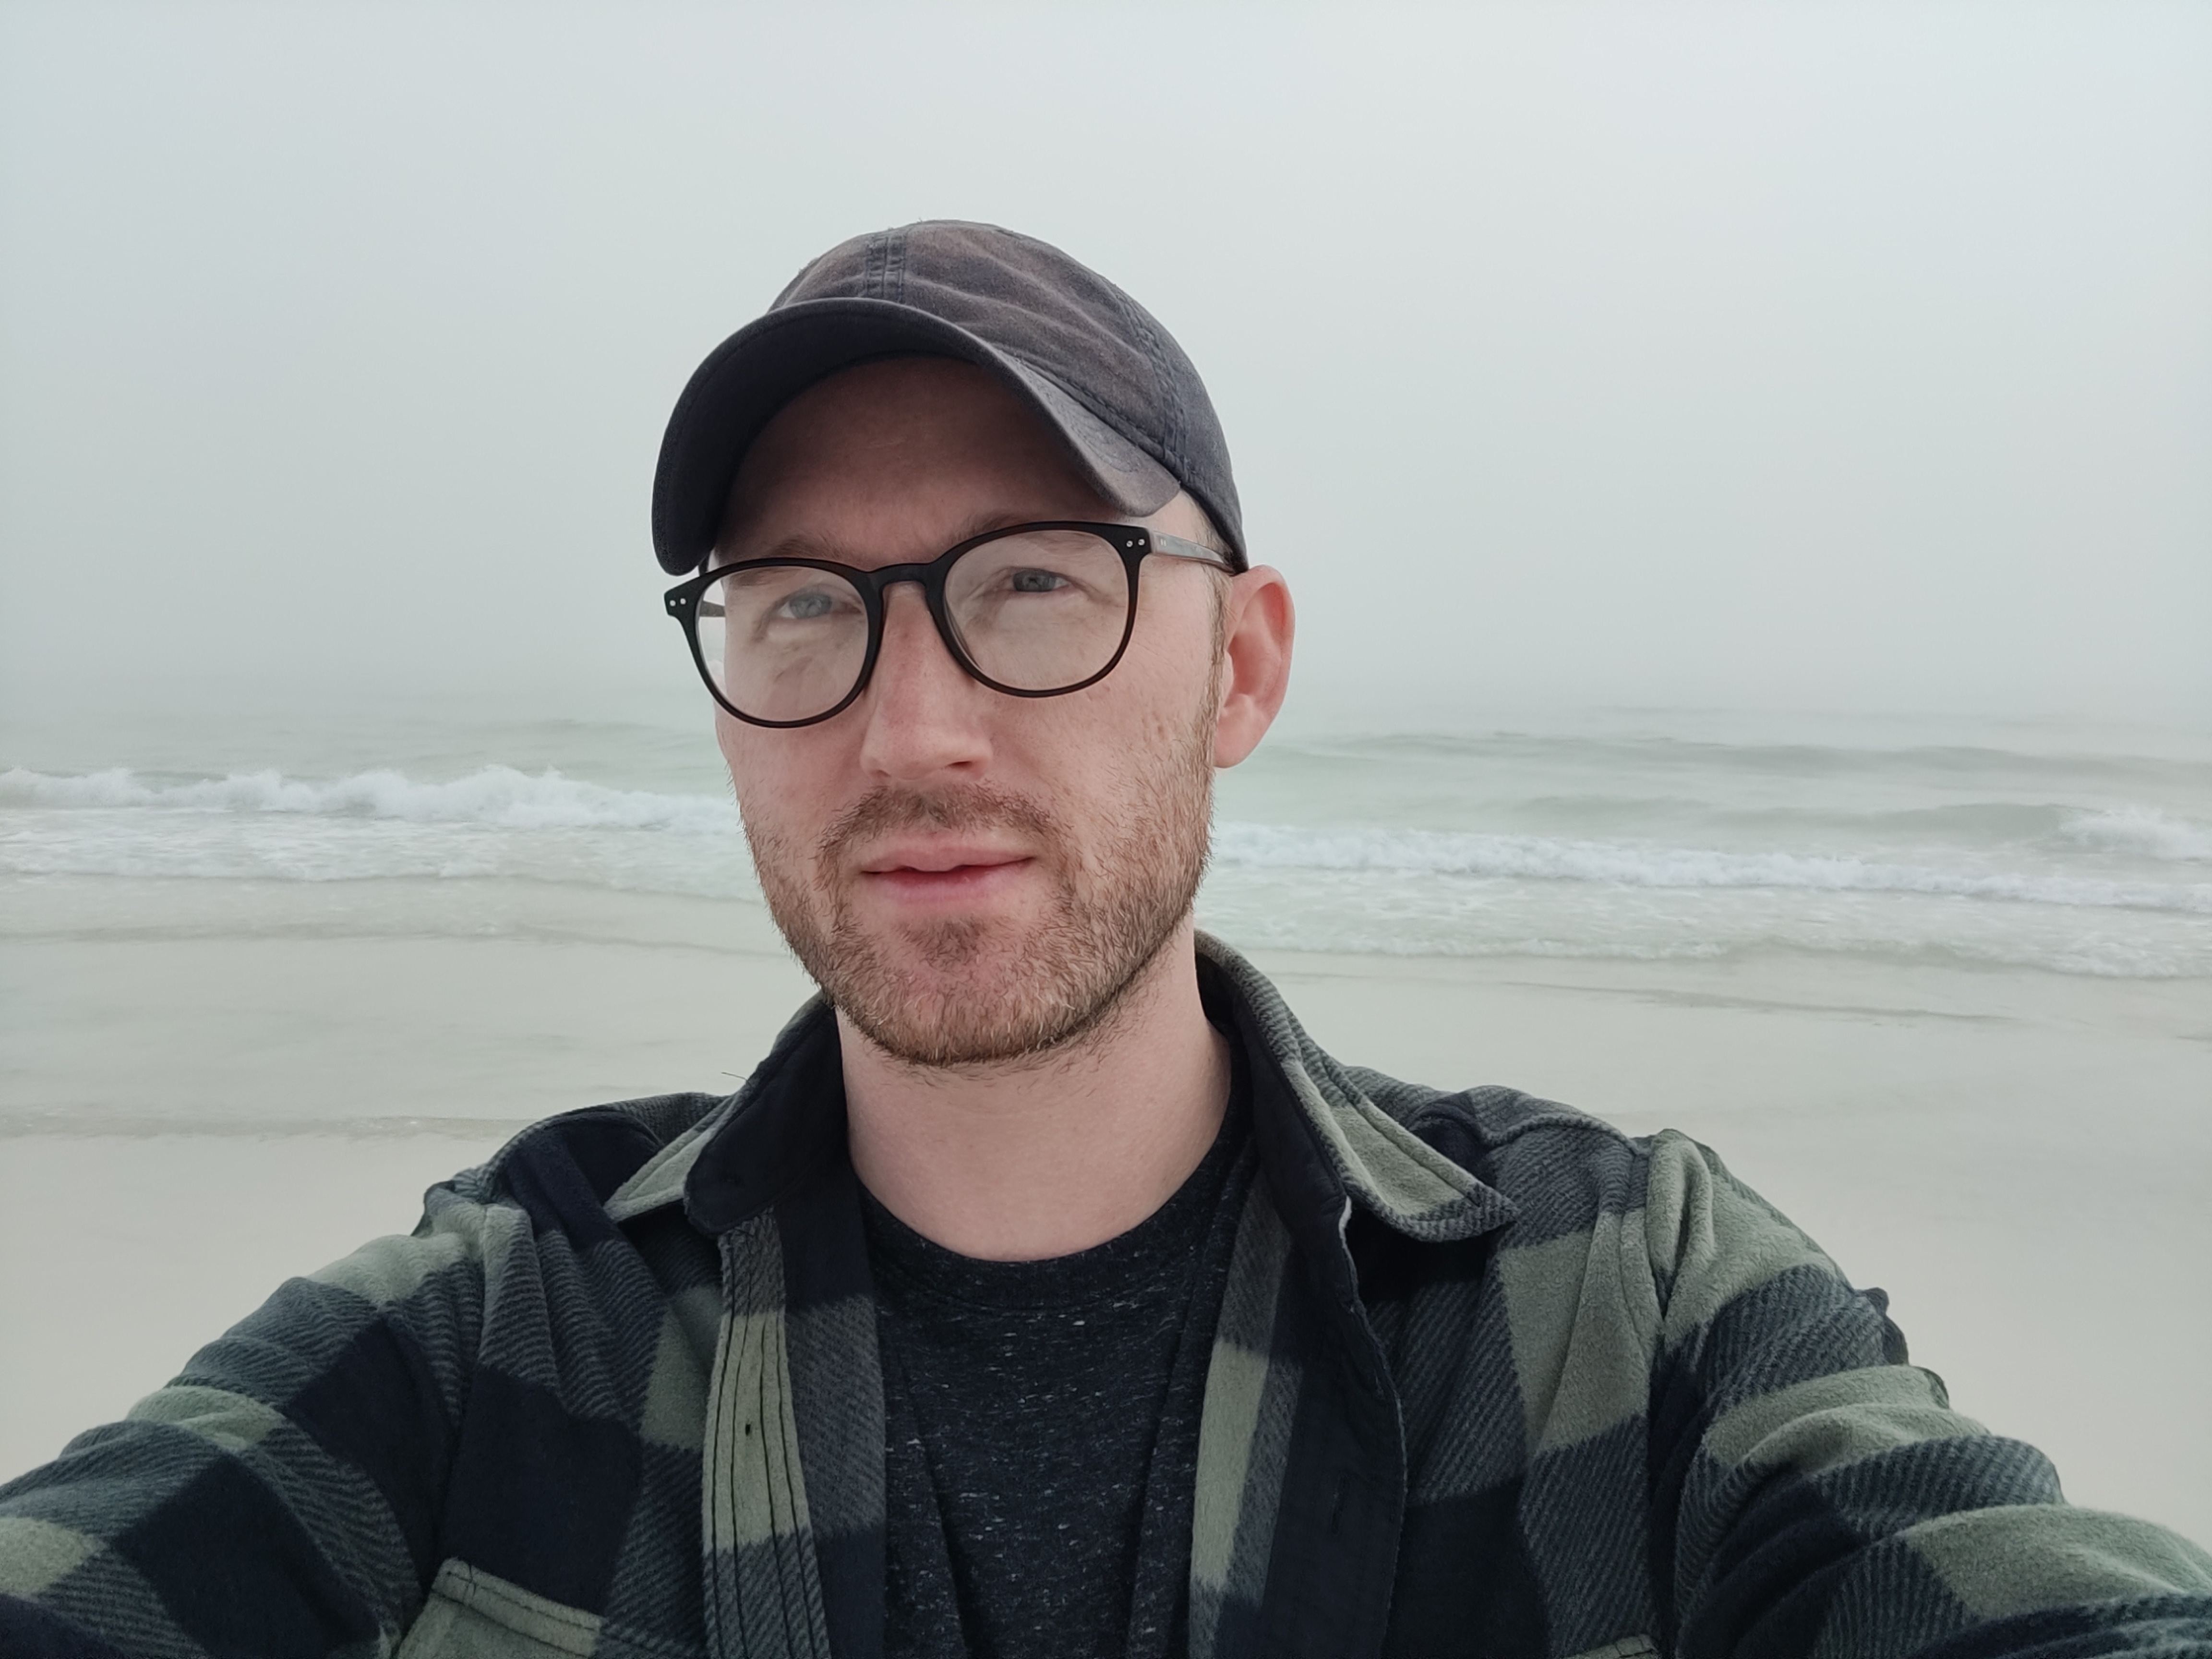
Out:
{"x": 1176, "y": 548}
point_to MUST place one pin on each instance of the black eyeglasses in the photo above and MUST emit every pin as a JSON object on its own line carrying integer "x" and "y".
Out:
{"x": 1034, "y": 610}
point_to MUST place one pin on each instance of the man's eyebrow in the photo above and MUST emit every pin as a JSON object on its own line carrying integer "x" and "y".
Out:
{"x": 803, "y": 545}
{"x": 797, "y": 545}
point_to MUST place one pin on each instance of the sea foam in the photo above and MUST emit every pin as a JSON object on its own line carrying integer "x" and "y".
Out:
{"x": 1628, "y": 864}
{"x": 2142, "y": 831}
{"x": 501, "y": 797}
{"x": 498, "y": 797}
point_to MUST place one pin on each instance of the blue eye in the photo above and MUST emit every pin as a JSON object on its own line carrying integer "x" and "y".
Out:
{"x": 1035, "y": 581}
{"x": 805, "y": 607}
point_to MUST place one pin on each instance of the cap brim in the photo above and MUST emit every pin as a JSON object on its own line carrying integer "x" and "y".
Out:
{"x": 737, "y": 390}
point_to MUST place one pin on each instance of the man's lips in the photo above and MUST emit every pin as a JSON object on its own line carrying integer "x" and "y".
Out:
{"x": 939, "y": 856}
{"x": 943, "y": 870}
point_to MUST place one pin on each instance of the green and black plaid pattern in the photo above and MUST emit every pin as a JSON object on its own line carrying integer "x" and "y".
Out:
{"x": 1489, "y": 1378}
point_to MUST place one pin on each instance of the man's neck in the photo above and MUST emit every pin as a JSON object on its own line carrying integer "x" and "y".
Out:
{"x": 1051, "y": 1155}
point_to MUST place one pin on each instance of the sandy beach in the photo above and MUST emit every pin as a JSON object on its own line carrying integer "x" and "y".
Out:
{"x": 198, "y": 1104}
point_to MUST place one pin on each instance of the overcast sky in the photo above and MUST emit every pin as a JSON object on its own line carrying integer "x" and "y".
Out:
{"x": 1853, "y": 356}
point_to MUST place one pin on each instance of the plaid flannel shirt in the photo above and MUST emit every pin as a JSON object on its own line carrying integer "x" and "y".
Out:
{"x": 1489, "y": 1378}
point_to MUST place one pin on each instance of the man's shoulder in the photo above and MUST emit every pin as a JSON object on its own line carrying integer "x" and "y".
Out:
{"x": 576, "y": 1168}
{"x": 1490, "y": 1121}
{"x": 1559, "y": 1166}
{"x": 1495, "y": 1115}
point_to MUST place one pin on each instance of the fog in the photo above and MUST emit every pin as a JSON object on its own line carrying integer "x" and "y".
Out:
{"x": 1851, "y": 356}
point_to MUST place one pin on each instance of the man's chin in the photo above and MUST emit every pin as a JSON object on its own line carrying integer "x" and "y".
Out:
{"x": 956, "y": 994}
{"x": 985, "y": 997}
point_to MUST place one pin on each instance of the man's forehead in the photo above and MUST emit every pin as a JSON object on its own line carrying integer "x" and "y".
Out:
{"x": 898, "y": 444}
{"x": 848, "y": 545}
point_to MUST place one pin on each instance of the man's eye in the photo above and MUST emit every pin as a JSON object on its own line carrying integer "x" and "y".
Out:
{"x": 1035, "y": 581}
{"x": 806, "y": 607}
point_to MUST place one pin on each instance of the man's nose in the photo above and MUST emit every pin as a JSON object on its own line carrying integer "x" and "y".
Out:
{"x": 923, "y": 711}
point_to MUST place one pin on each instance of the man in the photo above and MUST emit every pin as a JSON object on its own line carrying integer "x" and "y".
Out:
{"x": 1046, "y": 1290}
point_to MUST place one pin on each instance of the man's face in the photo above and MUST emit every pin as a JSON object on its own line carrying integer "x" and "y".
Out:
{"x": 971, "y": 877}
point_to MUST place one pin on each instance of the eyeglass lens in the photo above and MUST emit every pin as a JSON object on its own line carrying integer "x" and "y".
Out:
{"x": 1037, "y": 610}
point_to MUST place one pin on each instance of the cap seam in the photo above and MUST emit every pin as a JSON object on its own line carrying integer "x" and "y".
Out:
{"x": 872, "y": 263}
{"x": 895, "y": 266}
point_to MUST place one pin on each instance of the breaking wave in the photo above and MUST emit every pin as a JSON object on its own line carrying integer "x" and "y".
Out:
{"x": 2142, "y": 831}
{"x": 2113, "y": 890}
{"x": 498, "y": 797}
{"x": 503, "y": 798}
{"x": 1535, "y": 858}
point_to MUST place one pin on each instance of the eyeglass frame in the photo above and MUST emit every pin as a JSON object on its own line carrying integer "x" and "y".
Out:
{"x": 1133, "y": 542}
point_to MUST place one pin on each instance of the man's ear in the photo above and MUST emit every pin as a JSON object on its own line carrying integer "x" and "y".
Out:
{"x": 1257, "y": 624}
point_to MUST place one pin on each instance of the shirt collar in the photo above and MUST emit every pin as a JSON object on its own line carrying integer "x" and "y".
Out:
{"x": 1321, "y": 1137}
{"x": 782, "y": 1125}
{"x": 1335, "y": 1140}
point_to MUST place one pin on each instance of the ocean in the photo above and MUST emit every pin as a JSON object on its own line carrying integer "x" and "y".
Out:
{"x": 1647, "y": 835}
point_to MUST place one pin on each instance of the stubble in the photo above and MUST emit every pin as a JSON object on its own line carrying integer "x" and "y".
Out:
{"x": 968, "y": 992}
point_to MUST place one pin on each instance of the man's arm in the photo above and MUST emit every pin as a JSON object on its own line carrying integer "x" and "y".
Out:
{"x": 1815, "y": 1494}
{"x": 283, "y": 1494}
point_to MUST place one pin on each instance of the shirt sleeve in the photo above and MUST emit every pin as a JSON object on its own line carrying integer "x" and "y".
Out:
{"x": 283, "y": 1494}
{"x": 1815, "y": 1494}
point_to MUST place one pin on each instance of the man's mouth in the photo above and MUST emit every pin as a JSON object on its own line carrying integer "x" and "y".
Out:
{"x": 943, "y": 870}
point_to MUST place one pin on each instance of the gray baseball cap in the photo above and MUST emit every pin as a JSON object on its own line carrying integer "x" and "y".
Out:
{"x": 1090, "y": 360}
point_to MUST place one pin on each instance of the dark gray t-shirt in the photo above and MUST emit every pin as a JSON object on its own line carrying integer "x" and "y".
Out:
{"x": 1041, "y": 1421}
